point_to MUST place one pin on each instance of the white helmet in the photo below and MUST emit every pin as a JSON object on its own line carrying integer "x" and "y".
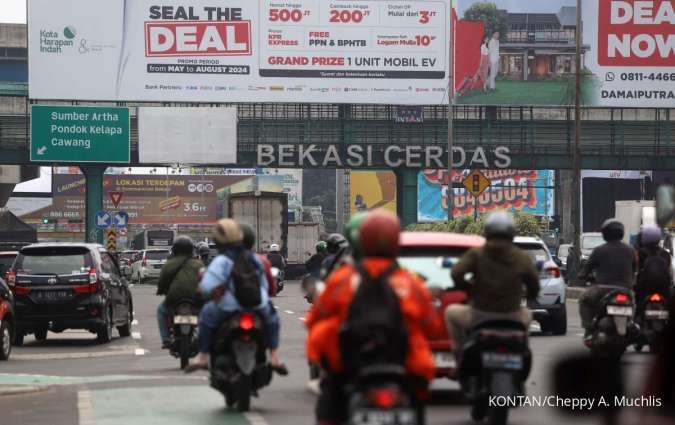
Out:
{"x": 274, "y": 248}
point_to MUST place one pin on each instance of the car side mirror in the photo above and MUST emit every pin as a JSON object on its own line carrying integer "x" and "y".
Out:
{"x": 558, "y": 261}
{"x": 665, "y": 205}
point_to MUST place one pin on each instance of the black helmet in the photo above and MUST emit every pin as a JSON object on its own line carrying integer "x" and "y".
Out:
{"x": 336, "y": 242}
{"x": 499, "y": 225}
{"x": 612, "y": 230}
{"x": 249, "y": 236}
{"x": 203, "y": 249}
{"x": 183, "y": 245}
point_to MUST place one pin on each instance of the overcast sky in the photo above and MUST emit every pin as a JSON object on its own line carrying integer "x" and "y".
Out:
{"x": 13, "y": 11}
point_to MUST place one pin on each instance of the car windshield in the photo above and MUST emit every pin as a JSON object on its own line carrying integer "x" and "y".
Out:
{"x": 157, "y": 255}
{"x": 434, "y": 270}
{"x": 5, "y": 263}
{"x": 54, "y": 262}
{"x": 591, "y": 242}
{"x": 535, "y": 251}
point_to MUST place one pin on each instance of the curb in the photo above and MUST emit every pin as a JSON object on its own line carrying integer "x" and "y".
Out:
{"x": 11, "y": 390}
{"x": 574, "y": 293}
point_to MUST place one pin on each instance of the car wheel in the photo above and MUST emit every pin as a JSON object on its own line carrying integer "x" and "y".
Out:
{"x": 104, "y": 334}
{"x": 558, "y": 325}
{"x": 125, "y": 330}
{"x": 41, "y": 335}
{"x": 5, "y": 341}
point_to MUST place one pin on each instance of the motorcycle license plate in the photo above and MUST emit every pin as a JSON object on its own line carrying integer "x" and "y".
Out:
{"x": 384, "y": 417}
{"x": 523, "y": 302}
{"x": 615, "y": 310}
{"x": 492, "y": 360}
{"x": 185, "y": 320}
{"x": 444, "y": 360}
{"x": 657, "y": 314}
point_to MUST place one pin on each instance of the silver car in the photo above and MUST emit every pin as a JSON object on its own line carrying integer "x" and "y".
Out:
{"x": 148, "y": 265}
{"x": 549, "y": 308}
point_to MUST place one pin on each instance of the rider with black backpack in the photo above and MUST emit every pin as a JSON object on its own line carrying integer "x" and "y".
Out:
{"x": 370, "y": 313}
{"x": 235, "y": 281}
{"x": 655, "y": 273}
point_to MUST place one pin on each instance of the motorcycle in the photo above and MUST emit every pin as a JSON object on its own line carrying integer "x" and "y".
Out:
{"x": 652, "y": 320}
{"x": 495, "y": 361}
{"x": 278, "y": 275}
{"x": 239, "y": 365}
{"x": 379, "y": 397}
{"x": 612, "y": 329}
{"x": 309, "y": 285}
{"x": 184, "y": 338}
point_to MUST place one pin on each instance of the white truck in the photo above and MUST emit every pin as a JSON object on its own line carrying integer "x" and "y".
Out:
{"x": 266, "y": 213}
{"x": 634, "y": 215}
{"x": 302, "y": 239}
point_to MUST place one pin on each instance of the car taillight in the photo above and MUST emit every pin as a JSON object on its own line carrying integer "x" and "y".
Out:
{"x": 383, "y": 398}
{"x": 11, "y": 278}
{"x": 92, "y": 287}
{"x": 553, "y": 272}
{"x": 93, "y": 276}
{"x": 656, "y": 298}
{"x": 621, "y": 298}
{"x": 21, "y": 290}
{"x": 246, "y": 321}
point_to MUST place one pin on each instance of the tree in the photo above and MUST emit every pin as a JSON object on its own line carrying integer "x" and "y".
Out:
{"x": 526, "y": 225}
{"x": 493, "y": 18}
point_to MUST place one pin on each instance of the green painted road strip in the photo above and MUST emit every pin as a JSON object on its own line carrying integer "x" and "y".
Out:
{"x": 79, "y": 134}
{"x": 29, "y": 379}
{"x": 162, "y": 406}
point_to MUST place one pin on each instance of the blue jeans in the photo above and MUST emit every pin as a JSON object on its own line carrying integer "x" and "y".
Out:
{"x": 211, "y": 317}
{"x": 163, "y": 323}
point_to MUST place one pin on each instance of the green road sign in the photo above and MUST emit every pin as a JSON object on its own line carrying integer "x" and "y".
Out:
{"x": 79, "y": 134}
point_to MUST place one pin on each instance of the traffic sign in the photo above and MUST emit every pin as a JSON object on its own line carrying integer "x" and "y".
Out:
{"x": 111, "y": 239}
{"x": 476, "y": 183}
{"x": 121, "y": 219}
{"x": 115, "y": 198}
{"x": 103, "y": 220}
{"x": 79, "y": 134}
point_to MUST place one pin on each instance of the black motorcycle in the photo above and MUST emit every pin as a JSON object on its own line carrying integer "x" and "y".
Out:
{"x": 495, "y": 361}
{"x": 381, "y": 395}
{"x": 184, "y": 338}
{"x": 613, "y": 329}
{"x": 652, "y": 320}
{"x": 239, "y": 365}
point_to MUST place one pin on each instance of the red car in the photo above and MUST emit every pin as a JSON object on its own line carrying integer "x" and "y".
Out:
{"x": 6, "y": 320}
{"x": 431, "y": 256}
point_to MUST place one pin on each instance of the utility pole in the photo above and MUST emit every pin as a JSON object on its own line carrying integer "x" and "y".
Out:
{"x": 451, "y": 109}
{"x": 576, "y": 158}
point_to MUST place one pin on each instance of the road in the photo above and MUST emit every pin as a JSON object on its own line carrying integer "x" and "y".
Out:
{"x": 131, "y": 381}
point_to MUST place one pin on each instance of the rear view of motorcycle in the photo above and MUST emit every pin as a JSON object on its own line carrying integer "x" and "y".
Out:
{"x": 612, "y": 329}
{"x": 496, "y": 362}
{"x": 652, "y": 320}
{"x": 239, "y": 365}
{"x": 184, "y": 332}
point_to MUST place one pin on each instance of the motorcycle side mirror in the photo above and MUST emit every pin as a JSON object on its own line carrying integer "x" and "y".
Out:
{"x": 592, "y": 380}
{"x": 665, "y": 205}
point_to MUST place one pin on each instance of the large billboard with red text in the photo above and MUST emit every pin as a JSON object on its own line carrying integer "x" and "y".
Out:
{"x": 355, "y": 51}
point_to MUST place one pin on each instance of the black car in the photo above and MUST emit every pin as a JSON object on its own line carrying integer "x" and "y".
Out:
{"x": 6, "y": 320}
{"x": 59, "y": 286}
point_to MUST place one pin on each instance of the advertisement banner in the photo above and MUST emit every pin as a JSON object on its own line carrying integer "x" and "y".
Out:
{"x": 372, "y": 189}
{"x": 358, "y": 51}
{"x": 526, "y": 191}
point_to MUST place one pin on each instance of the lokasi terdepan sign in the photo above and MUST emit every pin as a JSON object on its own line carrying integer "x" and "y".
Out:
{"x": 358, "y": 51}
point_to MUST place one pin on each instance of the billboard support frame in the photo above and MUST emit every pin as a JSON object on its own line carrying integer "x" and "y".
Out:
{"x": 451, "y": 107}
{"x": 576, "y": 152}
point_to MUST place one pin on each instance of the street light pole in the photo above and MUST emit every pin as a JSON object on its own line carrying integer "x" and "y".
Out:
{"x": 451, "y": 109}
{"x": 576, "y": 157}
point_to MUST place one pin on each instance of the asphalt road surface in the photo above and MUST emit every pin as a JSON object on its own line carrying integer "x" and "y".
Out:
{"x": 131, "y": 381}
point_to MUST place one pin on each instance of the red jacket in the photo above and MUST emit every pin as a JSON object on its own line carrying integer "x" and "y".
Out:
{"x": 271, "y": 281}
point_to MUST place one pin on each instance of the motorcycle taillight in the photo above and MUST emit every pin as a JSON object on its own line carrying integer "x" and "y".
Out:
{"x": 384, "y": 398}
{"x": 246, "y": 321}
{"x": 622, "y": 298}
{"x": 656, "y": 298}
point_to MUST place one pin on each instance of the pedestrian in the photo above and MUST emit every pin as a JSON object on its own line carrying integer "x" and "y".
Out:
{"x": 493, "y": 51}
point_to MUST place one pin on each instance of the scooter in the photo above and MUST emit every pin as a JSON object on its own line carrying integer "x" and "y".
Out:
{"x": 184, "y": 338}
{"x": 652, "y": 320}
{"x": 495, "y": 361}
{"x": 278, "y": 275}
{"x": 613, "y": 329}
{"x": 239, "y": 365}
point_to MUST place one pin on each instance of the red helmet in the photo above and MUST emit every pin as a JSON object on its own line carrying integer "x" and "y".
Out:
{"x": 378, "y": 234}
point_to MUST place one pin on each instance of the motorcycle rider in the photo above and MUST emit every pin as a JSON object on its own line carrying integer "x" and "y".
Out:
{"x": 313, "y": 265}
{"x": 178, "y": 280}
{"x": 219, "y": 287}
{"x": 655, "y": 274}
{"x": 614, "y": 264}
{"x": 338, "y": 253}
{"x": 249, "y": 241}
{"x": 275, "y": 258}
{"x": 378, "y": 240}
{"x": 499, "y": 270}
{"x": 204, "y": 252}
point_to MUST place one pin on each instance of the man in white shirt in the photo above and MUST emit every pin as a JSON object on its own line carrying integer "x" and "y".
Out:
{"x": 493, "y": 51}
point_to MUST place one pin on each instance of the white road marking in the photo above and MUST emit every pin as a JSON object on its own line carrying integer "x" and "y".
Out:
{"x": 139, "y": 352}
{"x": 255, "y": 418}
{"x": 71, "y": 356}
{"x": 85, "y": 408}
{"x": 302, "y": 319}
{"x": 136, "y": 335}
{"x": 288, "y": 312}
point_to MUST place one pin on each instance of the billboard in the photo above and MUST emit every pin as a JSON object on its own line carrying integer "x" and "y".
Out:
{"x": 359, "y": 51}
{"x": 526, "y": 191}
{"x": 372, "y": 189}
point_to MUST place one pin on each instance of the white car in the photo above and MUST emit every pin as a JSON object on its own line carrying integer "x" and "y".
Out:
{"x": 549, "y": 308}
{"x": 148, "y": 265}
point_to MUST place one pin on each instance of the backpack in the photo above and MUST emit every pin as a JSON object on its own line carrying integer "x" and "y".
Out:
{"x": 655, "y": 269}
{"x": 374, "y": 331}
{"x": 246, "y": 282}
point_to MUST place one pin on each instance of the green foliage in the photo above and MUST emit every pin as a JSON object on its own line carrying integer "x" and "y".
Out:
{"x": 490, "y": 16}
{"x": 526, "y": 225}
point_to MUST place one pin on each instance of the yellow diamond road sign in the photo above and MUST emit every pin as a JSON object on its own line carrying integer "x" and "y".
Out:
{"x": 111, "y": 239}
{"x": 476, "y": 183}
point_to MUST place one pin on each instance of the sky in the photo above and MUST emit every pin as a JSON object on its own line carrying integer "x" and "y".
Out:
{"x": 13, "y": 11}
